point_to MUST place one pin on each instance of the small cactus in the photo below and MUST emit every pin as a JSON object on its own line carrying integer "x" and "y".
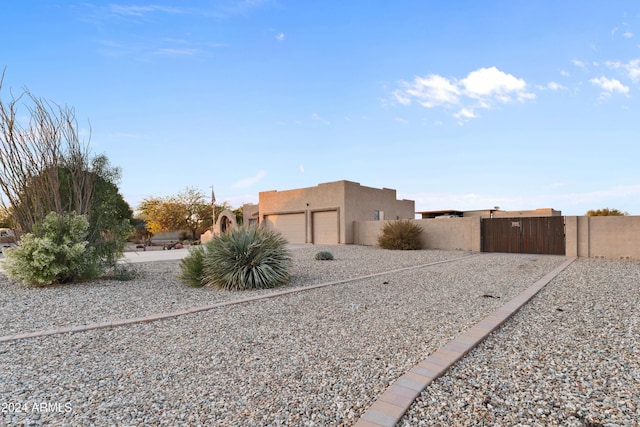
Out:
{"x": 324, "y": 256}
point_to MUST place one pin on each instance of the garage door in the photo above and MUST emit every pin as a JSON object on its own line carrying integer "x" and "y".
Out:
{"x": 292, "y": 226}
{"x": 325, "y": 227}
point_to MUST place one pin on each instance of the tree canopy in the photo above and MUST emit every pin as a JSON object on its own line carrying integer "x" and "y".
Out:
{"x": 46, "y": 167}
{"x": 188, "y": 210}
{"x": 606, "y": 212}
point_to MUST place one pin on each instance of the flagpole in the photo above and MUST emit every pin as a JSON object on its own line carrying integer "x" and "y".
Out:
{"x": 213, "y": 210}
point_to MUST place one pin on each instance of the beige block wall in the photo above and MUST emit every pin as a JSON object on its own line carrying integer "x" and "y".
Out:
{"x": 361, "y": 203}
{"x": 610, "y": 237}
{"x": 595, "y": 237}
{"x": 446, "y": 234}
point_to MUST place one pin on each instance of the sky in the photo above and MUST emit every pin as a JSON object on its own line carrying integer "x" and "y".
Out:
{"x": 462, "y": 105}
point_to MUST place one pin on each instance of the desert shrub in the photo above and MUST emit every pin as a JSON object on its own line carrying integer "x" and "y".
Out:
{"x": 122, "y": 272}
{"x": 184, "y": 236}
{"x": 402, "y": 234}
{"x": 56, "y": 251}
{"x": 324, "y": 256}
{"x": 192, "y": 267}
{"x": 247, "y": 258}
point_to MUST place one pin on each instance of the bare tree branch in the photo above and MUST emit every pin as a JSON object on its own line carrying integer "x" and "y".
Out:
{"x": 44, "y": 166}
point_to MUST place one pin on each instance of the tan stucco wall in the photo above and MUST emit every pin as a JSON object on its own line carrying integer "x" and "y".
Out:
{"x": 446, "y": 234}
{"x": 362, "y": 202}
{"x": 603, "y": 236}
{"x": 351, "y": 200}
{"x": 249, "y": 213}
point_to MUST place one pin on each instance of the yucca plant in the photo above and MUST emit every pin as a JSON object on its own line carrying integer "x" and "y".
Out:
{"x": 402, "y": 234}
{"x": 247, "y": 258}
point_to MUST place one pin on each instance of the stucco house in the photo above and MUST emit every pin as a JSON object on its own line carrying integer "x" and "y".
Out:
{"x": 324, "y": 214}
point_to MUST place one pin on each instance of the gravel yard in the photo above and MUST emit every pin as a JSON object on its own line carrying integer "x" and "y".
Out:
{"x": 321, "y": 357}
{"x": 571, "y": 357}
{"x": 159, "y": 291}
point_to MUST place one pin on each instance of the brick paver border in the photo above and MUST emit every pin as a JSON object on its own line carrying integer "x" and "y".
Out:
{"x": 399, "y": 396}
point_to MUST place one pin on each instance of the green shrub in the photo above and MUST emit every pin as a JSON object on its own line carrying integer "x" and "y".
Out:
{"x": 184, "y": 236}
{"x": 247, "y": 258}
{"x": 402, "y": 234}
{"x": 324, "y": 256}
{"x": 56, "y": 252}
{"x": 192, "y": 267}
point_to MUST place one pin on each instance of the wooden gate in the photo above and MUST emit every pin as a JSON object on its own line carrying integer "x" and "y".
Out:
{"x": 529, "y": 235}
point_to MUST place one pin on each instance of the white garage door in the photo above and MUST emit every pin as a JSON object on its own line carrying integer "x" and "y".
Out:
{"x": 325, "y": 227}
{"x": 292, "y": 226}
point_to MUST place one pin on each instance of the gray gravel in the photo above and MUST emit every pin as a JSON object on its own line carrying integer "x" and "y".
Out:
{"x": 25, "y": 309}
{"x": 571, "y": 357}
{"x": 315, "y": 358}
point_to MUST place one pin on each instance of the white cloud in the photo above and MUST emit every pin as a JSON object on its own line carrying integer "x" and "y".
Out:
{"x": 301, "y": 168}
{"x": 431, "y": 91}
{"x": 176, "y": 52}
{"x": 632, "y": 68}
{"x": 280, "y": 37}
{"x": 248, "y": 182}
{"x": 578, "y": 63}
{"x": 555, "y": 86}
{"x": 401, "y": 98}
{"x": 317, "y": 118}
{"x": 401, "y": 120}
{"x": 564, "y": 73}
{"x": 491, "y": 82}
{"x": 628, "y": 34}
{"x": 609, "y": 86}
{"x": 482, "y": 88}
{"x": 134, "y": 10}
{"x": 552, "y": 86}
{"x": 464, "y": 115}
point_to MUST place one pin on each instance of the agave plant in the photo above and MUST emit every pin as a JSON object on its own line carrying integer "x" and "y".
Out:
{"x": 247, "y": 258}
{"x": 324, "y": 256}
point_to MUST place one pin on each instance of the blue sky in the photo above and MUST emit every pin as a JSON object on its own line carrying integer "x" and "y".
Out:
{"x": 455, "y": 104}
